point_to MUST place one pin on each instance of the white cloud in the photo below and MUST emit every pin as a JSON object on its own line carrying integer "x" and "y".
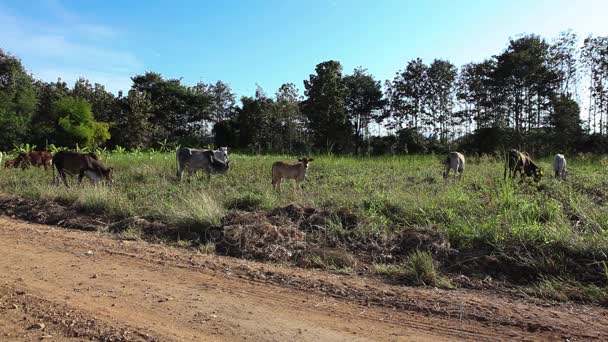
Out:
{"x": 68, "y": 48}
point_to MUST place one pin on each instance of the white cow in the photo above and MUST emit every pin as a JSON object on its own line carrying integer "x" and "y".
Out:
{"x": 454, "y": 161}
{"x": 193, "y": 160}
{"x": 559, "y": 166}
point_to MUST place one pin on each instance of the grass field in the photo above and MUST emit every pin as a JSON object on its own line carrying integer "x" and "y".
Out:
{"x": 545, "y": 226}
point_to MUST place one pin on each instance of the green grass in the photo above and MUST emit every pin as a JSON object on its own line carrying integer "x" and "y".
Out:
{"x": 560, "y": 219}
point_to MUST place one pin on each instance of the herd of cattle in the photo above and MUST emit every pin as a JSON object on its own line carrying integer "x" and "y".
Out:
{"x": 217, "y": 162}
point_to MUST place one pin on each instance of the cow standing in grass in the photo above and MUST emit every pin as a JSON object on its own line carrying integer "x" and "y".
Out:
{"x": 81, "y": 164}
{"x": 282, "y": 170}
{"x": 454, "y": 161}
{"x": 35, "y": 158}
{"x": 192, "y": 160}
{"x": 521, "y": 162}
{"x": 559, "y": 166}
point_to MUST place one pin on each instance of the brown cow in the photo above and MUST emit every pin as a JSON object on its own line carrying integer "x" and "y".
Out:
{"x": 284, "y": 170}
{"x": 521, "y": 162}
{"x": 81, "y": 164}
{"x": 35, "y": 158}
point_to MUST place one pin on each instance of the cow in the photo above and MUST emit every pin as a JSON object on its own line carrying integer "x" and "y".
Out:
{"x": 81, "y": 164}
{"x": 559, "y": 166}
{"x": 521, "y": 162}
{"x": 193, "y": 160}
{"x": 282, "y": 170}
{"x": 35, "y": 158}
{"x": 454, "y": 161}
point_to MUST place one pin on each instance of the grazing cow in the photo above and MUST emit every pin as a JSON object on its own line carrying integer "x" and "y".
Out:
{"x": 559, "y": 166}
{"x": 35, "y": 158}
{"x": 193, "y": 160}
{"x": 521, "y": 162}
{"x": 282, "y": 170}
{"x": 454, "y": 161}
{"x": 81, "y": 164}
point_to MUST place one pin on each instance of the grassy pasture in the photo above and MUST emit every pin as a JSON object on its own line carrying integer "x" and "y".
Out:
{"x": 479, "y": 212}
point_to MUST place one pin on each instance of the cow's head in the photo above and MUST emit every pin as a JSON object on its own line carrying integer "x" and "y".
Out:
{"x": 305, "y": 161}
{"x": 224, "y": 152}
{"x": 107, "y": 175}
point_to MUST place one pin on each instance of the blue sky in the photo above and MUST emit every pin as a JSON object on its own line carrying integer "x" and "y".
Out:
{"x": 269, "y": 42}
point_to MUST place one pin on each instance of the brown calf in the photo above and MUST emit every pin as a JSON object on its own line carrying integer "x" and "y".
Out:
{"x": 35, "y": 158}
{"x": 282, "y": 170}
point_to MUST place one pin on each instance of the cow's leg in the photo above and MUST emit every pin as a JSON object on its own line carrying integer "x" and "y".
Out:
{"x": 63, "y": 177}
{"x": 80, "y": 176}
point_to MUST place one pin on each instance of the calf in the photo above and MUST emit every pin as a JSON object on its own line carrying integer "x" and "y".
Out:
{"x": 454, "y": 161}
{"x": 81, "y": 164}
{"x": 521, "y": 162}
{"x": 35, "y": 158}
{"x": 193, "y": 160}
{"x": 282, "y": 170}
{"x": 559, "y": 166}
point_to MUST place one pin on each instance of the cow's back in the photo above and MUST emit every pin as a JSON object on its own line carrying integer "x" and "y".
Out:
{"x": 72, "y": 162}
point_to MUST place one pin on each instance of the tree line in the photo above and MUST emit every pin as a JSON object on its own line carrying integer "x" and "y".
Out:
{"x": 526, "y": 96}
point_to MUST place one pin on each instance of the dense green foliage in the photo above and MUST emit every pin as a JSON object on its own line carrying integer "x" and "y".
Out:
{"x": 526, "y": 96}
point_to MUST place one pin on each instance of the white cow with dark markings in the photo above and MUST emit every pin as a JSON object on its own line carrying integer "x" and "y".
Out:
{"x": 559, "y": 166}
{"x": 193, "y": 160}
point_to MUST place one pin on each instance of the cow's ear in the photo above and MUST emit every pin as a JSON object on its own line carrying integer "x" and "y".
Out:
{"x": 311, "y": 159}
{"x": 300, "y": 160}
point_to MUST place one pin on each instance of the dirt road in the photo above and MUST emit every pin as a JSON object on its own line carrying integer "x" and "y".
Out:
{"x": 64, "y": 285}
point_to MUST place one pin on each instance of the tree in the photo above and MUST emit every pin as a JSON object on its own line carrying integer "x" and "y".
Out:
{"x": 474, "y": 89}
{"x": 133, "y": 125}
{"x": 325, "y": 108}
{"x": 18, "y": 101}
{"x": 223, "y": 101}
{"x": 102, "y": 101}
{"x": 78, "y": 125}
{"x": 363, "y": 102}
{"x": 566, "y": 123}
{"x": 408, "y": 100}
{"x": 562, "y": 59}
{"x": 292, "y": 123}
{"x": 441, "y": 76}
{"x": 594, "y": 55}
{"x": 526, "y": 81}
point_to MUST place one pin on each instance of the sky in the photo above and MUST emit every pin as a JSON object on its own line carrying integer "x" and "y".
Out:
{"x": 253, "y": 42}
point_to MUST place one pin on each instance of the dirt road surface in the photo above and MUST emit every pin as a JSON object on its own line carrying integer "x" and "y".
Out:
{"x": 63, "y": 285}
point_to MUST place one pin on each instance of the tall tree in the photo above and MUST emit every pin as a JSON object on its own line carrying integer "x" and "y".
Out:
{"x": 594, "y": 55}
{"x": 441, "y": 76}
{"x": 363, "y": 102}
{"x": 408, "y": 95}
{"x": 325, "y": 108}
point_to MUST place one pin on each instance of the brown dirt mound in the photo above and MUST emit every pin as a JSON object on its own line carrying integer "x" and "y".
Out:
{"x": 429, "y": 239}
{"x": 48, "y": 212}
{"x": 254, "y": 236}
